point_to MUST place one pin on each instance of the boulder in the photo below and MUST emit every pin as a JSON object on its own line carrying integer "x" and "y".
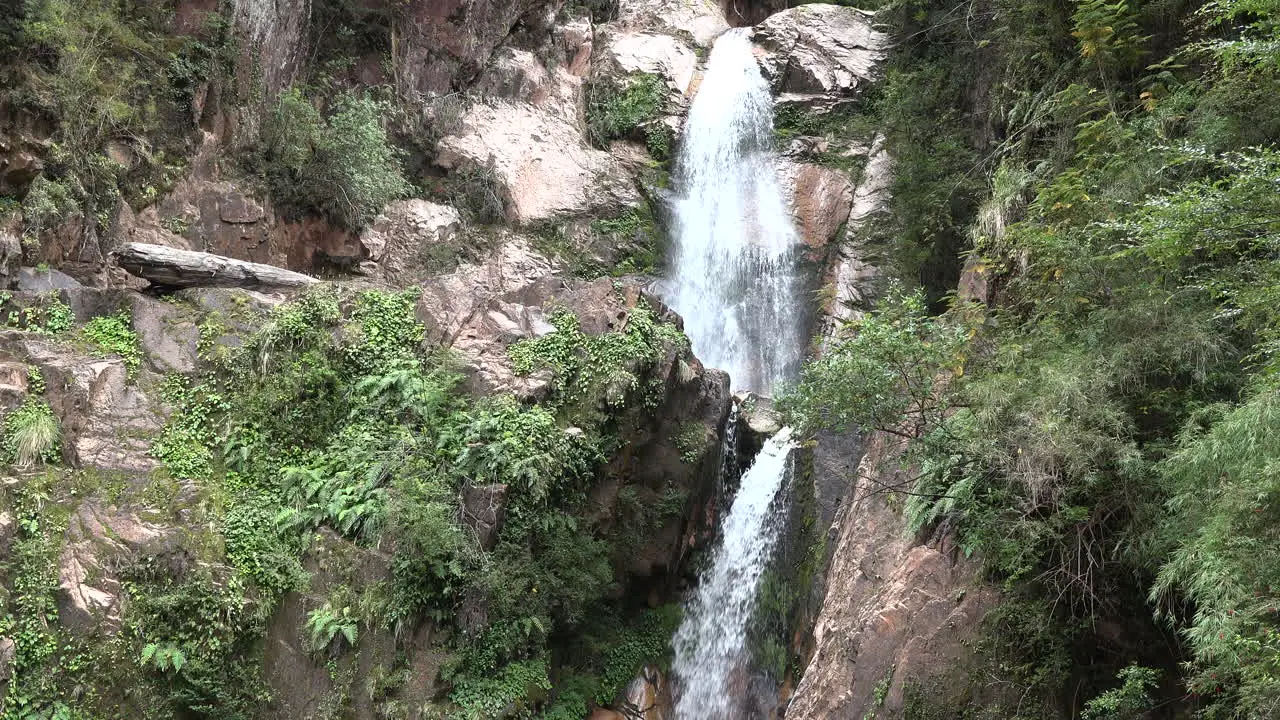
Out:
{"x": 669, "y": 56}
{"x": 482, "y": 509}
{"x": 406, "y": 228}
{"x": 43, "y": 281}
{"x": 541, "y": 164}
{"x": 820, "y": 200}
{"x": 167, "y": 336}
{"x": 818, "y": 55}
{"x": 481, "y": 308}
{"x": 697, "y": 20}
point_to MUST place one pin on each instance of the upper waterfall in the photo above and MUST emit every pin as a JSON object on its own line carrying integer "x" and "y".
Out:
{"x": 734, "y": 271}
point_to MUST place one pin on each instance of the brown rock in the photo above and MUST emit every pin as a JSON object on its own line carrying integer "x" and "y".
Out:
{"x": 541, "y": 163}
{"x": 99, "y": 540}
{"x": 820, "y": 200}
{"x": 854, "y": 278}
{"x": 893, "y": 608}
{"x": 404, "y": 230}
{"x": 446, "y": 42}
{"x": 239, "y": 209}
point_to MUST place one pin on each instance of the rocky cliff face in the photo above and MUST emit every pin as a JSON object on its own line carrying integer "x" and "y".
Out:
{"x": 536, "y": 135}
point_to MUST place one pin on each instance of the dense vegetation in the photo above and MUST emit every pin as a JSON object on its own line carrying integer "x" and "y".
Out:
{"x": 334, "y": 429}
{"x": 1103, "y": 435}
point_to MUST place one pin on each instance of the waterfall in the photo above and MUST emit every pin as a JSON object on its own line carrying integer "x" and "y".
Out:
{"x": 710, "y": 646}
{"x": 735, "y": 283}
{"x": 734, "y": 278}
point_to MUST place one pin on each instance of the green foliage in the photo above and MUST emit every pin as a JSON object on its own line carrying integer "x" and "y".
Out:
{"x": 647, "y": 641}
{"x": 114, "y": 335}
{"x": 602, "y": 369}
{"x": 341, "y": 166}
{"x": 198, "y": 632}
{"x": 1103, "y": 434}
{"x": 888, "y": 373}
{"x": 32, "y": 434}
{"x": 510, "y": 692}
{"x": 165, "y": 658}
{"x": 1222, "y": 517}
{"x": 617, "y": 111}
{"x": 46, "y": 314}
{"x": 1130, "y": 701}
{"x": 325, "y": 625}
{"x": 107, "y": 76}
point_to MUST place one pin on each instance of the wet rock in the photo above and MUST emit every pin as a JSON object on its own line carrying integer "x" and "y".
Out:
{"x": 820, "y": 200}
{"x": 759, "y": 415}
{"x": 819, "y": 55}
{"x": 646, "y": 697}
{"x": 483, "y": 507}
{"x": 541, "y": 164}
{"x": 893, "y": 608}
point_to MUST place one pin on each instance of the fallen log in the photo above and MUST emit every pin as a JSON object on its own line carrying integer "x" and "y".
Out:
{"x": 173, "y": 268}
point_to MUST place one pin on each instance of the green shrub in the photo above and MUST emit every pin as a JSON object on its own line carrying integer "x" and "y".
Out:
{"x": 341, "y": 166}
{"x": 618, "y": 110}
{"x": 32, "y": 434}
{"x": 114, "y": 335}
{"x": 1130, "y": 701}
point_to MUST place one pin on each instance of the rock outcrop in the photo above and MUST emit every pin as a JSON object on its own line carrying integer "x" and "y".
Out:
{"x": 818, "y": 56}
{"x": 541, "y": 163}
{"x": 899, "y": 616}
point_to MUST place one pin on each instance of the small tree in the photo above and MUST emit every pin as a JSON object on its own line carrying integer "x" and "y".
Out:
{"x": 342, "y": 167}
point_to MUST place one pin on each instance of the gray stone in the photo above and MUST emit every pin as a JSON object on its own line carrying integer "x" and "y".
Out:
{"x": 819, "y": 55}
{"x": 41, "y": 281}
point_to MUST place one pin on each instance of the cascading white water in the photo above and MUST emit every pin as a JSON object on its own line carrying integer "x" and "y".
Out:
{"x": 710, "y": 646}
{"x": 735, "y": 283}
{"x": 734, "y": 279}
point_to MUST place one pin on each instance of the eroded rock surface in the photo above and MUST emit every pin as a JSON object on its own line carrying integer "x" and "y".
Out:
{"x": 895, "y": 609}
{"x": 818, "y": 55}
{"x": 541, "y": 163}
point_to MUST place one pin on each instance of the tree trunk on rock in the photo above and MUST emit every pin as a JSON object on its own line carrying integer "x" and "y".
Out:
{"x": 172, "y": 268}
